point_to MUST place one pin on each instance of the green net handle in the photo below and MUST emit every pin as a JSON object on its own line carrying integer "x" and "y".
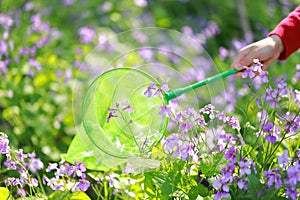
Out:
{"x": 177, "y": 92}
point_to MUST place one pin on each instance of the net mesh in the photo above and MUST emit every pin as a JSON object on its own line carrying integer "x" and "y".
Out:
{"x": 118, "y": 118}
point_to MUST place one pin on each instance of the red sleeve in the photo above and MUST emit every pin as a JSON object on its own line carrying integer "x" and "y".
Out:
{"x": 289, "y": 32}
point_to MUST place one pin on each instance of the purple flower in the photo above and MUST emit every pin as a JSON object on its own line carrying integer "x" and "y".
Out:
{"x": 12, "y": 181}
{"x": 273, "y": 132}
{"x": 185, "y": 127}
{"x": 248, "y": 73}
{"x": 21, "y": 192}
{"x": 165, "y": 110}
{"x": 293, "y": 123}
{"x": 51, "y": 166}
{"x": 86, "y": 35}
{"x": 234, "y": 123}
{"x": 223, "y": 53}
{"x": 54, "y": 183}
{"x": 282, "y": 87}
{"x": 221, "y": 195}
{"x": 271, "y": 97}
{"x": 68, "y": 2}
{"x": 211, "y": 30}
{"x": 222, "y": 187}
{"x": 38, "y": 26}
{"x": 284, "y": 159}
{"x": 128, "y": 108}
{"x": 83, "y": 185}
{"x": 256, "y": 66}
{"x": 146, "y": 53}
{"x": 297, "y": 75}
{"x": 79, "y": 168}
{"x": 42, "y": 42}
{"x": 6, "y": 21}
{"x": 151, "y": 87}
{"x": 3, "y": 48}
{"x": 27, "y": 51}
{"x": 231, "y": 154}
{"x": 222, "y": 116}
{"x": 110, "y": 115}
{"x": 297, "y": 96}
{"x": 35, "y": 164}
{"x": 3, "y": 68}
{"x": 140, "y": 3}
{"x": 20, "y": 155}
{"x": 9, "y": 163}
{"x": 29, "y": 6}
{"x": 171, "y": 143}
{"x": 208, "y": 109}
{"x": 36, "y": 19}
{"x": 128, "y": 169}
{"x": 4, "y": 148}
{"x": 140, "y": 36}
{"x": 68, "y": 75}
{"x": 271, "y": 138}
{"x": 112, "y": 182}
{"x": 292, "y": 192}
{"x": 184, "y": 151}
{"x": 218, "y": 184}
{"x": 33, "y": 182}
{"x": 258, "y": 103}
{"x": 293, "y": 173}
{"x": 273, "y": 177}
{"x": 161, "y": 89}
{"x": 245, "y": 168}
{"x": 242, "y": 184}
{"x": 264, "y": 76}
{"x": 268, "y": 128}
{"x": 34, "y": 63}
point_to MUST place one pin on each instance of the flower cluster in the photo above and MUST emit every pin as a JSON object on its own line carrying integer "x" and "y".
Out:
{"x": 274, "y": 95}
{"x": 117, "y": 109}
{"x": 229, "y": 177}
{"x": 155, "y": 89}
{"x": 286, "y": 176}
{"x": 86, "y": 35}
{"x": 255, "y": 69}
{"x": 275, "y": 126}
{"x": 67, "y": 177}
{"x": 23, "y": 164}
{"x": 28, "y": 168}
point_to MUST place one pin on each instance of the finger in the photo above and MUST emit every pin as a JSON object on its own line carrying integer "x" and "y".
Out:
{"x": 239, "y": 75}
{"x": 242, "y": 59}
{"x": 266, "y": 63}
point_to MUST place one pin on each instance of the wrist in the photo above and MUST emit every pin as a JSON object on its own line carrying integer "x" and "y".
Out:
{"x": 278, "y": 43}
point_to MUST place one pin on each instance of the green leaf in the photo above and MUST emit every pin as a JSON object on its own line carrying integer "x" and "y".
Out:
{"x": 198, "y": 190}
{"x": 93, "y": 158}
{"x": 159, "y": 182}
{"x": 67, "y": 195}
{"x": 212, "y": 164}
{"x": 149, "y": 185}
{"x": 4, "y": 193}
{"x": 58, "y": 195}
{"x": 271, "y": 193}
{"x": 254, "y": 187}
{"x": 79, "y": 196}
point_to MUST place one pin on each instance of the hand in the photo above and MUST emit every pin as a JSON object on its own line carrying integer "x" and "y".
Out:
{"x": 266, "y": 50}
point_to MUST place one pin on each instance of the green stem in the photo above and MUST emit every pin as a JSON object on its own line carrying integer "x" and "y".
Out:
{"x": 41, "y": 183}
{"x": 131, "y": 132}
{"x": 283, "y": 138}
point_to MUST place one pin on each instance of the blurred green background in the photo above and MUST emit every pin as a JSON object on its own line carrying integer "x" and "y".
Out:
{"x": 36, "y": 101}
